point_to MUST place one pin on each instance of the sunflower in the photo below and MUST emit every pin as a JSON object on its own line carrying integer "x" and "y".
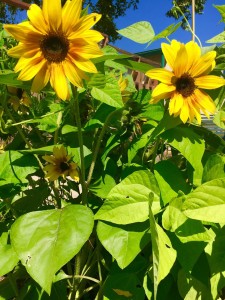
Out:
{"x": 56, "y": 45}
{"x": 123, "y": 84}
{"x": 19, "y": 99}
{"x": 60, "y": 164}
{"x": 183, "y": 82}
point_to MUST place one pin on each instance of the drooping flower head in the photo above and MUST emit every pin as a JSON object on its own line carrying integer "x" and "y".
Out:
{"x": 60, "y": 164}
{"x": 182, "y": 83}
{"x": 56, "y": 45}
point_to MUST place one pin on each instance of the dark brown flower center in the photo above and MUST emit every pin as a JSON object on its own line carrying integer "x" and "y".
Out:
{"x": 64, "y": 166}
{"x": 54, "y": 47}
{"x": 185, "y": 85}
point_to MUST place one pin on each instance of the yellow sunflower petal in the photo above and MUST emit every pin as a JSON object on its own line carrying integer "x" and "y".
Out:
{"x": 49, "y": 158}
{"x": 194, "y": 109}
{"x": 23, "y": 32}
{"x": 84, "y": 24}
{"x": 205, "y": 101}
{"x": 86, "y": 66}
{"x": 181, "y": 63}
{"x": 58, "y": 81}
{"x": 85, "y": 52}
{"x": 34, "y": 66}
{"x": 203, "y": 65}
{"x": 176, "y": 103}
{"x": 73, "y": 75}
{"x": 193, "y": 51}
{"x": 209, "y": 82}
{"x": 170, "y": 52}
{"x": 41, "y": 79}
{"x": 36, "y": 17}
{"x": 162, "y": 75}
{"x": 25, "y": 50}
{"x": 70, "y": 14}
{"x": 52, "y": 11}
{"x": 184, "y": 112}
{"x": 91, "y": 36}
{"x": 162, "y": 91}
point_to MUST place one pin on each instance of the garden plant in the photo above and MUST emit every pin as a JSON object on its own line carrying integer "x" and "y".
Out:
{"x": 108, "y": 192}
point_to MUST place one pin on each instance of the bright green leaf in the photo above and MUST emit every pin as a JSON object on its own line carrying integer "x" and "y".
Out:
{"x": 190, "y": 145}
{"x": 123, "y": 242}
{"x": 46, "y": 240}
{"x": 127, "y": 202}
{"x": 214, "y": 168}
{"x": 170, "y": 180}
{"x": 140, "y": 32}
{"x": 8, "y": 257}
{"x": 110, "y": 94}
{"x": 207, "y": 202}
{"x": 163, "y": 253}
{"x": 165, "y": 33}
{"x": 16, "y": 166}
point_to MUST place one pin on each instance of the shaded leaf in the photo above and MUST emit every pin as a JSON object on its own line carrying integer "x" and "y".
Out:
{"x": 123, "y": 242}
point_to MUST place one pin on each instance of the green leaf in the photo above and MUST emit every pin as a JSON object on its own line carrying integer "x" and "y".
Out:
{"x": 214, "y": 168}
{"x": 190, "y": 145}
{"x": 68, "y": 129}
{"x": 16, "y": 166}
{"x": 207, "y": 202}
{"x": 123, "y": 242}
{"x": 127, "y": 202}
{"x": 216, "y": 252}
{"x": 219, "y": 38}
{"x": 140, "y": 32}
{"x": 163, "y": 253}
{"x": 191, "y": 288}
{"x": 170, "y": 180}
{"x": 134, "y": 65}
{"x": 8, "y": 257}
{"x": 219, "y": 119}
{"x": 123, "y": 286}
{"x": 166, "y": 32}
{"x": 221, "y": 9}
{"x": 110, "y": 94}
{"x": 11, "y": 80}
{"x": 46, "y": 240}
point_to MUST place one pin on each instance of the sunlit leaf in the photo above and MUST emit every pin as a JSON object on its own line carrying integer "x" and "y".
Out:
{"x": 123, "y": 242}
{"x": 127, "y": 202}
{"x": 140, "y": 32}
{"x": 110, "y": 94}
{"x": 207, "y": 202}
{"x": 46, "y": 240}
{"x": 163, "y": 253}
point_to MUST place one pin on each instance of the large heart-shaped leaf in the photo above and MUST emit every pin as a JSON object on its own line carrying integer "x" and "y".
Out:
{"x": 127, "y": 202}
{"x": 123, "y": 242}
{"x": 46, "y": 240}
{"x": 207, "y": 202}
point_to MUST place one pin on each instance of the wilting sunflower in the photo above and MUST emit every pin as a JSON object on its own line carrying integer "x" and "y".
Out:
{"x": 123, "y": 84}
{"x": 19, "y": 99}
{"x": 183, "y": 82}
{"x": 60, "y": 164}
{"x": 56, "y": 45}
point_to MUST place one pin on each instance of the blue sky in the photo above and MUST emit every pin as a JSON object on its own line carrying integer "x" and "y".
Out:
{"x": 207, "y": 25}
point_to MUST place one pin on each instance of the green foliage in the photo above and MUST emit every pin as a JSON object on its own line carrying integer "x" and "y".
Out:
{"x": 146, "y": 218}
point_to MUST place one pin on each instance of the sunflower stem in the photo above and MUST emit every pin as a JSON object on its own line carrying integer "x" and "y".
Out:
{"x": 97, "y": 147}
{"x": 76, "y": 109}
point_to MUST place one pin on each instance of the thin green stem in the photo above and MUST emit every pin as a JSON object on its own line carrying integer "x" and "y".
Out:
{"x": 97, "y": 146}
{"x": 189, "y": 26}
{"x": 76, "y": 110}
